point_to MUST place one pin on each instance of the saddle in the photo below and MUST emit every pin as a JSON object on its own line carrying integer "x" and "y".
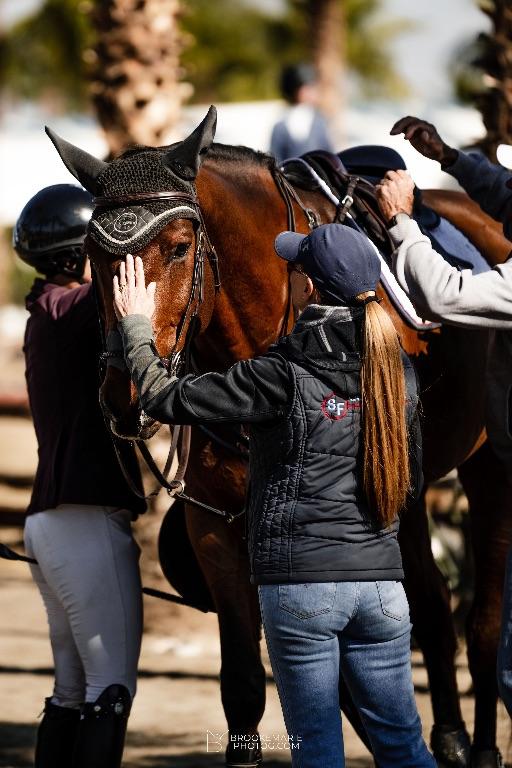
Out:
{"x": 348, "y": 179}
{"x": 354, "y": 193}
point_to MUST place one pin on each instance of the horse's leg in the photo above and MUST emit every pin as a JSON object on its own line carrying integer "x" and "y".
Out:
{"x": 433, "y": 629}
{"x": 489, "y": 492}
{"x": 222, "y": 555}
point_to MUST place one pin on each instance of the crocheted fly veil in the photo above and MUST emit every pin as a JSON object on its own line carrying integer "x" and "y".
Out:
{"x": 127, "y": 226}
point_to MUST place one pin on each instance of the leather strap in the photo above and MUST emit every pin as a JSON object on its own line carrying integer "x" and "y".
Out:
{"x": 149, "y": 197}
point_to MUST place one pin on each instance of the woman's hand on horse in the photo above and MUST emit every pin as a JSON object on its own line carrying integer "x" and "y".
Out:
{"x": 131, "y": 297}
{"x": 395, "y": 194}
{"x": 425, "y": 139}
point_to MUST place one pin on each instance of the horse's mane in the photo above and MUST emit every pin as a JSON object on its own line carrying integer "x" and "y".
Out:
{"x": 221, "y": 152}
{"x": 240, "y": 154}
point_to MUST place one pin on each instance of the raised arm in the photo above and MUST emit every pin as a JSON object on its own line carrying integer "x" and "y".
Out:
{"x": 485, "y": 182}
{"x": 250, "y": 391}
{"x": 439, "y": 291}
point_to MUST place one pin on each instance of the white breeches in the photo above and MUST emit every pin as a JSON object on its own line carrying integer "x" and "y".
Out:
{"x": 88, "y": 576}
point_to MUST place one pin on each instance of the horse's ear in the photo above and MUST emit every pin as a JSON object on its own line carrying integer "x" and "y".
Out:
{"x": 185, "y": 158}
{"x": 84, "y": 167}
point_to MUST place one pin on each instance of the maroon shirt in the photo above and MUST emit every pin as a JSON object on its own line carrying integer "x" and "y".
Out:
{"x": 77, "y": 462}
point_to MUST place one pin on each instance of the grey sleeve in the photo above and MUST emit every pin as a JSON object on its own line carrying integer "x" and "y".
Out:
{"x": 484, "y": 182}
{"x": 441, "y": 292}
{"x": 250, "y": 391}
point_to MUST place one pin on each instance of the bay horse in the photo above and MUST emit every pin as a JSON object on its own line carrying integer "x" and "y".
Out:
{"x": 232, "y": 198}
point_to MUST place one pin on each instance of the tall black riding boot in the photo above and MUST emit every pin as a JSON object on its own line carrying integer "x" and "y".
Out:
{"x": 102, "y": 730}
{"x": 56, "y": 736}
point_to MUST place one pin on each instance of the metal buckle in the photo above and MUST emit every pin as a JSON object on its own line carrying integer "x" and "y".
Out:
{"x": 176, "y": 484}
{"x": 311, "y": 217}
{"x": 348, "y": 200}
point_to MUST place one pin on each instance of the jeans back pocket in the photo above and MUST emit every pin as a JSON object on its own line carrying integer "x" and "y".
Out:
{"x": 393, "y": 600}
{"x": 307, "y": 600}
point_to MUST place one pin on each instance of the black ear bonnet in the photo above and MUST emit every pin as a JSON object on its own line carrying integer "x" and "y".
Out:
{"x": 122, "y": 229}
{"x": 127, "y": 227}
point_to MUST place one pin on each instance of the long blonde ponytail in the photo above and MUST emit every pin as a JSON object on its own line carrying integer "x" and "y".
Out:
{"x": 386, "y": 472}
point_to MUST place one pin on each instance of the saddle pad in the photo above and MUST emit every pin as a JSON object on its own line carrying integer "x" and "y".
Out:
{"x": 455, "y": 247}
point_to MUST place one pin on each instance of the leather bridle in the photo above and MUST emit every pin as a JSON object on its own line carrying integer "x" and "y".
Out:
{"x": 178, "y": 359}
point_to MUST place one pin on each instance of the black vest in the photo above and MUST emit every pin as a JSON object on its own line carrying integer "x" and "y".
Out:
{"x": 308, "y": 520}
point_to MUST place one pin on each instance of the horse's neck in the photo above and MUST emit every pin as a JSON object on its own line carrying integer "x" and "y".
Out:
{"x": 243, "y": 213}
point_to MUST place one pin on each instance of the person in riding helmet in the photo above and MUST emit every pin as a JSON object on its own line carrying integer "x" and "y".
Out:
{"x": 441, "y": 292}
{"x": 78, "y": 524}
{"x": 303, "y": 128}
{"x": 334, "y": 457}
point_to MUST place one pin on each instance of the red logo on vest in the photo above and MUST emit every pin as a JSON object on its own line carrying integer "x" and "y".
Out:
{"x": 336, "y": 408}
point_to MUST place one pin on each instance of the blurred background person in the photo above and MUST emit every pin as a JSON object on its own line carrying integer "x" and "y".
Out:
{"x": 303, "y": 128}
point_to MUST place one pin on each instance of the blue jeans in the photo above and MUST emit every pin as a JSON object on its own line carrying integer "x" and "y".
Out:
{"x": 505, "y": 647}
{"x": 361, "y": 629}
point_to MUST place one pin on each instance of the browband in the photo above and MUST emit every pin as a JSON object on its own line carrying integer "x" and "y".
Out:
{"x": 136, "y": 197}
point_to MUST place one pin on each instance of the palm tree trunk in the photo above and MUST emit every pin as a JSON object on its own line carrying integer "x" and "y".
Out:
{"x": 495, "y": 103}
{"x": 326, "y": 27}
{"x": 135, "y": 72}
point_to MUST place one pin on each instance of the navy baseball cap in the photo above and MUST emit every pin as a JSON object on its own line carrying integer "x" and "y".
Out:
{"x": 340, "y": 261}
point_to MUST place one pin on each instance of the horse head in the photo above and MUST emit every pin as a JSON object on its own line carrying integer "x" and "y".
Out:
{"x": 146, "y": 204}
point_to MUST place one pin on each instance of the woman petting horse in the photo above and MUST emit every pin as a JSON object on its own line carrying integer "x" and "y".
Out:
{"x": 169, "y": 206}
{"x": 329, "y": 469}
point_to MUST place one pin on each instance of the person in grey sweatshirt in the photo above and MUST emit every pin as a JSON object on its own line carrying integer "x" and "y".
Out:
{"x": 444, "y": 293}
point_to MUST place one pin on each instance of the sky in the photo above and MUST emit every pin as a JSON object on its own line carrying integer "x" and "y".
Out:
{"x": 422, "y": 56}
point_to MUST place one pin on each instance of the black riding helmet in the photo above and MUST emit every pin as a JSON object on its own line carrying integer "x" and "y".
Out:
{"x": 51, "y": 228}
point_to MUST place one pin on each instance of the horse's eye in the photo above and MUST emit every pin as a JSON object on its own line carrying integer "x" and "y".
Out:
{"x": 176, "y": 252}
{"x": 181, "y": 250}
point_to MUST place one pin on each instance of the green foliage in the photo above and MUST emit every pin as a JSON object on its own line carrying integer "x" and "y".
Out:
{"x": 369, "y": 48}
{"x": 42, "y": 56}
{"x": 234, "y": 50}
{"x": 19, "y": 276}
{"x": 369, "y": 40}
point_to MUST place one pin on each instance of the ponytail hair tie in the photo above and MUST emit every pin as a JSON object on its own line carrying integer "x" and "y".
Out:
{"x": 368, "y": 299}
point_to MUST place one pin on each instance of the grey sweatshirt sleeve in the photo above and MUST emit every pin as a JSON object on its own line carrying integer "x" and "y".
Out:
{"x": 441, "y": 292}
{"x": 250, "y": 391}
{"x": 484, "y": 182}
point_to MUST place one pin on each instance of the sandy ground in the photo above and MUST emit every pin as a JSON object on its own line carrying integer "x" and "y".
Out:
{"x": 178, "y": 701}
